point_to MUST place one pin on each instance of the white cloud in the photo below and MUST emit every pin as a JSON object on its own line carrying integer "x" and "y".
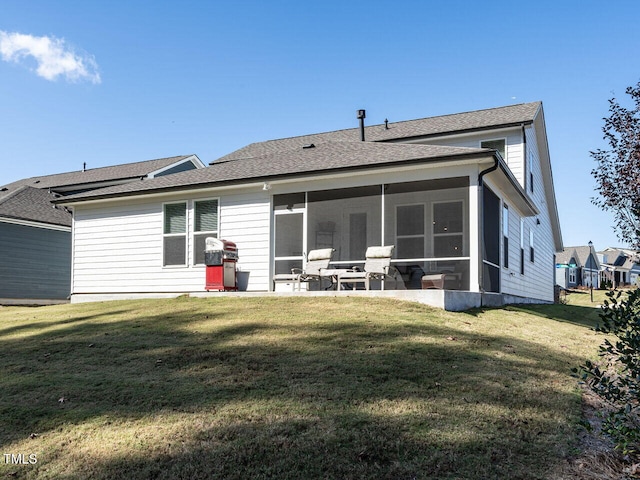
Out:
{"x": 54, "y": 58}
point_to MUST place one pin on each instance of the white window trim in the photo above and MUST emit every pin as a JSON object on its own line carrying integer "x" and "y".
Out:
{"x": 192, "y": 226}
{"x": 185, "y": 234}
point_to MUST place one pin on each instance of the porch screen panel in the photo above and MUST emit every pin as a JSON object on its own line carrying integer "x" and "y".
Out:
{"x": 448, "y": 229}
{"x": 428, "y": 222}
{"x": 491, "y": 240}
{"x": 410, "y": 231}
{"x": 428, "y": 211}
{"x": 348, "y": 220}
{"x": 288, "y": 242}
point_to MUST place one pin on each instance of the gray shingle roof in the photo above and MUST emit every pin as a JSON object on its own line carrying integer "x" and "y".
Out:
{"x": 34, "y": 204}
{"x": 425, "y": 127}
{"x": 582, "y": 255}
{"x": 93, "y": 175}
{"x": 30, "y": 198}
{"x": 322, "y": 158}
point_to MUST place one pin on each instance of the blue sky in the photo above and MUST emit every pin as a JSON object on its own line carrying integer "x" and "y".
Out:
{"x": 125, "y": 81}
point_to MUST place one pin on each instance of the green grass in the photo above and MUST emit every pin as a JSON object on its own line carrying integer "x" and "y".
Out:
{"x": 290, "y": 388}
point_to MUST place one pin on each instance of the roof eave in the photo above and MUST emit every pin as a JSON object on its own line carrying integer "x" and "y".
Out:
{"x": 269, "y": 178}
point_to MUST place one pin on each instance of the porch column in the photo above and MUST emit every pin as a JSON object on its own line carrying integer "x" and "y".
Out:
{"x": 474, "y": 234}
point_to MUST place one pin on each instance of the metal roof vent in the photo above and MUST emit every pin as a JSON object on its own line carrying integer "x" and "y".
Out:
{"x": 361, "y": 116}
{"x": 309, "y": 145}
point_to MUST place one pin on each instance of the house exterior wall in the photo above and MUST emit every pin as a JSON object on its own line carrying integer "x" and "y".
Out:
{"x": 538, "y": 278}
{"x": 118, "y": 246}
{"x": 513, "y": 144}
{"x": 35, "y": 262}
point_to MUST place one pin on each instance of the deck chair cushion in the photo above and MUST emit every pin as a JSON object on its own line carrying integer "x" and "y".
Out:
{"x": 379, "y": 252}
{"x": 320, "y": 254}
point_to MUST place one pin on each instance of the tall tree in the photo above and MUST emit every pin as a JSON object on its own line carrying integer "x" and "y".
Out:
{"x": 618, "y": 171}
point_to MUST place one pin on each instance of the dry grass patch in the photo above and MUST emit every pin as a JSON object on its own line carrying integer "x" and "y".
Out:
{"x": 290, "y": 388}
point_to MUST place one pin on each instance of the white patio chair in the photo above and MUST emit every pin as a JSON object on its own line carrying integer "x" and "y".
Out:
{"x": 376, "y": 267}
{"x": 317, "y": 260}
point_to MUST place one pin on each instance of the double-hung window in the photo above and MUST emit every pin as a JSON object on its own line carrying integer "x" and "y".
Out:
{"x": 530, "y": 168}
{"x": 175, "y": 234}
{"x": 521, "y": 246}
{"x": 205, "y": 224}
{"x": 531, "y": 249}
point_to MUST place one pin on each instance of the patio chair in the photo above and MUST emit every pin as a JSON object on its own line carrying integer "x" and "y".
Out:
{"x": 317, "y": 260}
{"x": 376, "y": 267}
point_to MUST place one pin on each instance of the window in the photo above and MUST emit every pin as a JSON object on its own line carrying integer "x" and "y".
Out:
{"x": 572, "y": 275}
{"x": 447, "y": 229}
{"x": 505, "y": 235}
{"x": 499, "y": 145}
{"x": 205, "y": 225}
{"x": 410, "y": 231}
{"x": 521, "y": 246}
{"x": 175, "y": 234}
{"x": 530, "y": 165}
{"x": 531, "y": 249}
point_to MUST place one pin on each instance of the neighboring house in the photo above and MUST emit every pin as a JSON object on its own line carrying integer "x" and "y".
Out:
{"x": 577, "y": 266}
{"x": 619, "y": 266}
{"x": 35, "y": 235}
{"x": 469, "y": 195}
{"x": 634, "y": 273}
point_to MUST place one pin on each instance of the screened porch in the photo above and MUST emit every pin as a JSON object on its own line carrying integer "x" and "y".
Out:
{"x": 427, "y": 221}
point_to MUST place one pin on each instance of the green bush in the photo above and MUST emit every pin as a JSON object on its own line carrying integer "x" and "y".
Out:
{"x": 616, "y": 378}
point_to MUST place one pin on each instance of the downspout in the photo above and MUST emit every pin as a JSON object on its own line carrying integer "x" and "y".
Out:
{"x": 481, "y": 175}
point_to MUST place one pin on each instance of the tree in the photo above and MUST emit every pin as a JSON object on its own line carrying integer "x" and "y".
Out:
{"x": 616, "y": 377}
{"x": 618, "y": 171}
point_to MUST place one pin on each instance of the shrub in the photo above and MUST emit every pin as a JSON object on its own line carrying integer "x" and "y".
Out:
{"x": 616, "y": 379}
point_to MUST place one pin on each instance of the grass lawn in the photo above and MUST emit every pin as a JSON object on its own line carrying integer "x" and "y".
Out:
{"x": 290, "y": 388}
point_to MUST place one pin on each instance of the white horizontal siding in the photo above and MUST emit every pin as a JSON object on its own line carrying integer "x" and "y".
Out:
{"x": 118, "y": 247}
{"x": 245, "y": 220}
{"x": 514, "y": 147}
{"x": 538, "y": 279}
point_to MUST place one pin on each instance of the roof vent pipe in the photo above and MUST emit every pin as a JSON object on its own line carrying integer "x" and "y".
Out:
{"x": 84, "y": 166}
{"x": 386, "y": 124}
{"x": 361, "y": 116}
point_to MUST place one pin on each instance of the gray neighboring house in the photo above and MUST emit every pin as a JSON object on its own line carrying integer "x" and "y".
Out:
{"x": 35, "y": 234}
{"x": 577, "y": 266}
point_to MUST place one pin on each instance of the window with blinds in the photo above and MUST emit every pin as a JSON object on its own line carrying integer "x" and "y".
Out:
{"x": 205, "y": 225}
{"x": 175, "y": 234}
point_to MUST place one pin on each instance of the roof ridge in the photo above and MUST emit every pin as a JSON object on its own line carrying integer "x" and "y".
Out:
{"x": 109, "y": 166}
{"x": 538, "y": 102}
